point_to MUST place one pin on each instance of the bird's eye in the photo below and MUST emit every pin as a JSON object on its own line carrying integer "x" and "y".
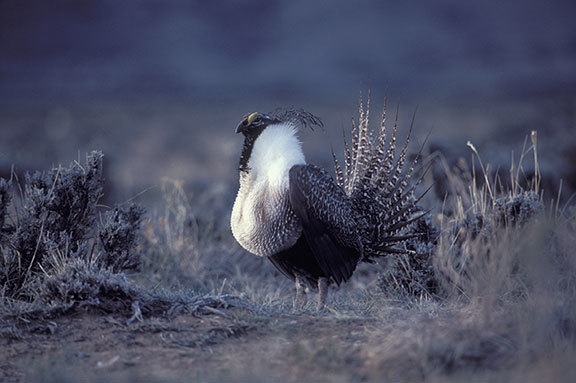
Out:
{"x": 258, "y": 119}
{"x": 244, "y": 123}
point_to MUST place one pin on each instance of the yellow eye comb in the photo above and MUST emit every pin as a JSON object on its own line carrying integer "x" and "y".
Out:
{"x": 252, "y": 117}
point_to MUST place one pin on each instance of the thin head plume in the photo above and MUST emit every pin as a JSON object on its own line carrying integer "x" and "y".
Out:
{"x": 299, "y": 117}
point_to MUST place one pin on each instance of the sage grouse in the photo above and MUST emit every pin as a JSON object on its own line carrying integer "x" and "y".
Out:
{"x": 315, "y": 229}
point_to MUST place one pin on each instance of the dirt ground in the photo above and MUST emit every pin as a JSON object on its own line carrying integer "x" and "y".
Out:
{"x": 239, "y": 345}
{"x": 228, "y": 344}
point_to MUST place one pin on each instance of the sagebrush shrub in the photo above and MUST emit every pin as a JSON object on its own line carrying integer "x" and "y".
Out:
{"x": 118, "y": 237}
{"x": 51, "y": 233}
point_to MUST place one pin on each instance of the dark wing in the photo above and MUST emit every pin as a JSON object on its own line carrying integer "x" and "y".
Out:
{"x": 327, "y": 220}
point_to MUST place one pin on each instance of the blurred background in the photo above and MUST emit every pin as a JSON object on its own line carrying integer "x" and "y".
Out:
{"x": 159, "y": 86}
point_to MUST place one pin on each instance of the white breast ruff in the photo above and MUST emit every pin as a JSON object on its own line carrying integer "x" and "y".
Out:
{"x": 262, "y": 220}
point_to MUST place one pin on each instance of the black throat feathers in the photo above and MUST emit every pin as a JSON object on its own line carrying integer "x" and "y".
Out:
{"x": 249, "y": 140}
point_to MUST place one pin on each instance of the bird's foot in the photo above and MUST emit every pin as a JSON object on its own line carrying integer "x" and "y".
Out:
{"x": 322, "y": 293}
{"x": 300, "y": 298}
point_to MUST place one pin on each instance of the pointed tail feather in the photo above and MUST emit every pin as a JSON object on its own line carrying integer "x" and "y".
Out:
{"x": 379, "y": 182}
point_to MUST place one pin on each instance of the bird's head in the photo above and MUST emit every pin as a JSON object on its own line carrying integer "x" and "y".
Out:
{"x": 255, "y": 123}
{"x": 268, "y": 140}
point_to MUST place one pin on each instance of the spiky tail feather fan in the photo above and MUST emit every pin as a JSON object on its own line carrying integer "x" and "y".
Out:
{"x": 379, "y": 184}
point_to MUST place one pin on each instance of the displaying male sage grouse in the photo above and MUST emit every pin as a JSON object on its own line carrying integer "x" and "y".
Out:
{"x": 313, "y": 228}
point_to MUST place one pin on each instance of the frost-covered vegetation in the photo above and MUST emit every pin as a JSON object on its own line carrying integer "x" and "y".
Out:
{"x": 52, "y": 239}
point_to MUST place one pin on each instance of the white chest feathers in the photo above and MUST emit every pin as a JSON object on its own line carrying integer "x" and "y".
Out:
{"x": 262, "y": 220}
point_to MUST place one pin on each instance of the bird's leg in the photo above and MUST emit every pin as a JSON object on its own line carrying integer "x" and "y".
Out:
{"x": 322, "y": 292}
{"x": 299, "y": 298}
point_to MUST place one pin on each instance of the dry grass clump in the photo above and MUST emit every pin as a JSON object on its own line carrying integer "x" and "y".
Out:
{"x": 484, "y": 227}
{"x": 171, "y": 241}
